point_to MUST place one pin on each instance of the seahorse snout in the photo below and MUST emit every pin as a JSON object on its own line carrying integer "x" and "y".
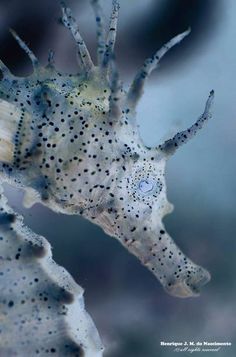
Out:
{"x": 189, "y": 285}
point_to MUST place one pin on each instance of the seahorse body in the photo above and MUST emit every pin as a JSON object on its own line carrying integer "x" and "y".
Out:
{"x": 41, "y": 307}
{"x": 72, "y": 142}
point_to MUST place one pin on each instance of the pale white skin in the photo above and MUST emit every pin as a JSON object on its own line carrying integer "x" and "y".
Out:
{"x": 41, "y": 306}
{"x": 73, "y": 144}
{"x": 77, "y": 150}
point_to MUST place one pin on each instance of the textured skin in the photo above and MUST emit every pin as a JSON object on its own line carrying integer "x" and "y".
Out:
{"x": 75, "y": 147}
{"x": 41, "y": 307}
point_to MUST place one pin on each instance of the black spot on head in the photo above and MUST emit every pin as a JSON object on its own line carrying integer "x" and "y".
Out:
{"x": 74, "y": 349}
{"x": 66, "y": 297}
{"x": 6, "y": 218}
{"x": 11, "y": 303}
{"x": 38, "y": 251}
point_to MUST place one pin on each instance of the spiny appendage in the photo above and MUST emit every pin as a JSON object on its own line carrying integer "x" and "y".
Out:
{"x": 105, "y": 52}
{"x": 111, "y": 36}
{"x": 105, "y": 40}
{"x": 41, "y": 306}
{"x": 51, "y": 61}
{"x": 33, "y": 58}
{"x": 106, "y": 59}
{"x": 101, "y": 32}
{"x": 171, "y": 145}
{"x": 137, "y": 87}
{"x": 83, "y": 55}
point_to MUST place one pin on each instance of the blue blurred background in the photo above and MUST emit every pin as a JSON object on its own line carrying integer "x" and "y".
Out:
{"x": 127, "y": 303}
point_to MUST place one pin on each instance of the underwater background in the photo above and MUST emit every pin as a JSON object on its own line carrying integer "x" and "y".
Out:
{"x": 129, "y": 307}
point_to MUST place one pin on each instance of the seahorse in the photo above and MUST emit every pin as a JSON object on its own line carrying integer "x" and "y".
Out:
{"x": 71, "y": 141}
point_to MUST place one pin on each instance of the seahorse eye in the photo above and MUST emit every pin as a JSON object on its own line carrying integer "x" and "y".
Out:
{"x": 146, "y": 186}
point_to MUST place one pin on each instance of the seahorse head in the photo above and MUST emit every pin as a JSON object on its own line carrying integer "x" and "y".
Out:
{"x": 136, "y": 203}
